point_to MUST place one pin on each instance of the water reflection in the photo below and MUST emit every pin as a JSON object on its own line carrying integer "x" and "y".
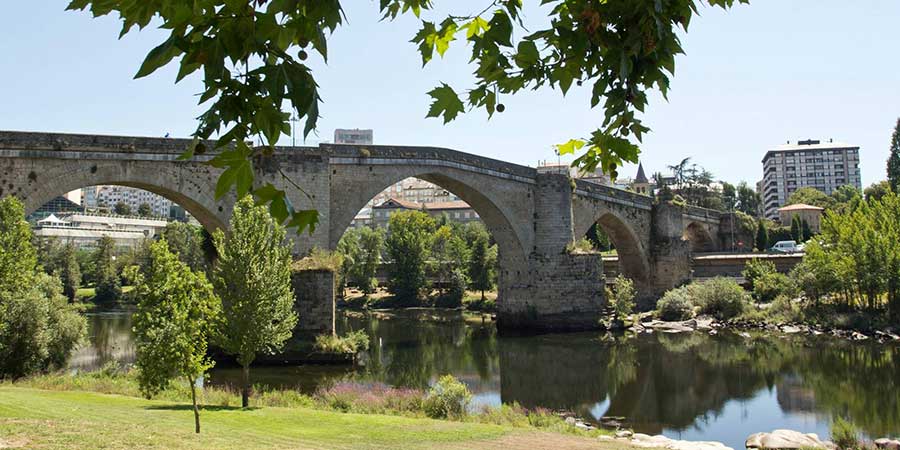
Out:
{"x": 692, "y": 386}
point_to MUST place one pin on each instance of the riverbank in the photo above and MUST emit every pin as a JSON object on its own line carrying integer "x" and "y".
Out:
{"x": 34, "y": 418}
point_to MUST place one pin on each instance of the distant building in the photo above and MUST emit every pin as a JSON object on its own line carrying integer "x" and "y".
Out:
{"x": 106, "y": 197}
{"x": 354, "y": 136}
{"x": 641, "y": 184}
{"x": 458, "y": 211}
{"x": 84, "y": 230}
{"x": 57, "y": 206}
{"x": 810, "y": 163}
{"x": 597, "y": 176}
{"x": 812, "y": 215}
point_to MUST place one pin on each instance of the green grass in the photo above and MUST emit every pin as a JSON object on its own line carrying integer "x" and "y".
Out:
{"x": 34, "y": 418}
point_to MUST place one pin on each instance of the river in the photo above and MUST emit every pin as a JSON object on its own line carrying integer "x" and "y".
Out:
{"x": 687, "y": 386}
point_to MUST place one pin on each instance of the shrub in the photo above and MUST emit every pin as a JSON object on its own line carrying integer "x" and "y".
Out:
{"x": 771, "y": 285}
{"x": 755, "y": 269}
{"x": 675, "y": 305}
{"x": 783, "y": 309}
{"x": 454, "y": 296}
{"x": 622, "y": 296}
{"x": 844, "y": 434}
{"x": 484, "y": 304}
{"x": 447, "y": 399}
{"x": 719, "y": 297}
{"x": 580, "y": 246}
{"x": 319, "y": 259}
{"x": 354, "y": 342}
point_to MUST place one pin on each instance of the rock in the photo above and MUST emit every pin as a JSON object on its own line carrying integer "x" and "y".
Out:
{"x": 887, "y": 444}
{"x": 624, "y": 434}
{"x": 583, "y": 426}
{"x": 570, "y": 421}
{"x": 786, "y": 439}
{"x": 789, "y": 329}
{"x": 704, "y": 324}
{"x": 744, "y": 335}
{"x": 660, "y": 441}
{"x": 857, "y": 336}
{"x": 671, "y": 327}
{"x": 713, "y": 332}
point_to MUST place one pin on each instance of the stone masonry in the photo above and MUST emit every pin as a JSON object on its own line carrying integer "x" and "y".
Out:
{"x": 314, "y": 293}
{"x": 532, "y": 217}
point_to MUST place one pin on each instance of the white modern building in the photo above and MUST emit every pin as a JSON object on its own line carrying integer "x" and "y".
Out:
{"x": 824, "y": 166}
{"x": 84, "y": 230}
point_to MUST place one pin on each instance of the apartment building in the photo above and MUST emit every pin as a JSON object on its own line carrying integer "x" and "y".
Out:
{"x": 354, "y": 136}
{"x": 106, "y": 197}
{"x": 824, "y": 166}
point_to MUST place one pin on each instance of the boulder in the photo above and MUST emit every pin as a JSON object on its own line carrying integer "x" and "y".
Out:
{"x": 785, "y": 440}
{"x": 660, "y": 441}
{"x": 887, "y": 444}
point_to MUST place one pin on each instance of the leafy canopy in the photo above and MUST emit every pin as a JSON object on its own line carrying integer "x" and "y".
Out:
{"x": 251, "y": 55}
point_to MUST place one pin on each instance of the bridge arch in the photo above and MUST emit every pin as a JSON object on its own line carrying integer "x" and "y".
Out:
{"x": 502, "y": 210}
{"x": 699, "y": 237}
{"x": 633, "y": 260}
{"x": 183, "y": 184}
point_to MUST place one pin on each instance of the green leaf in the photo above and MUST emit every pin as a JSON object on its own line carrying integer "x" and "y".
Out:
{"x": 527, "y": 54}
{"x": 569, "y": 147}
{"x": 158, "y": 57}
{"x": 303, "y": 219}
{"x": 189, "y": 152}
{"x": 446, "y": 103}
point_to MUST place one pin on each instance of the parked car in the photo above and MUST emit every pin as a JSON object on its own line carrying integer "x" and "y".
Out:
{"x": 785, "y": 247}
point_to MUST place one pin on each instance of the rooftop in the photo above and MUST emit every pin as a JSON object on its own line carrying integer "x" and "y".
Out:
{"x": 437, "y": 206}
{"x": 810, "y": 144}
{"x": 800, "y": 207}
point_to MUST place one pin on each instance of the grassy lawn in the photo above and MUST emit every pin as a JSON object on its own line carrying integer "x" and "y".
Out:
{"x": 87, "y": 293}
{"x": 33, "y": 418}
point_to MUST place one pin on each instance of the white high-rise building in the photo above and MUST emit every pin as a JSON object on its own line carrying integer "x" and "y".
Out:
{"x": 354, "y": 136}
{"x": 825, "y": 166}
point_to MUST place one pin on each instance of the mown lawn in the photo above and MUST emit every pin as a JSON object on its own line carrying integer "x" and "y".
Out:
{"x": 32, "y": 418}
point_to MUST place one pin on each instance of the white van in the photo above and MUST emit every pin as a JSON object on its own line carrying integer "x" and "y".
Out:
{"x": 785, "y": 247}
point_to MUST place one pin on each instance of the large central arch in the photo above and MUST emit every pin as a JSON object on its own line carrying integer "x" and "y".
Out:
{"x": 502, "y": 210}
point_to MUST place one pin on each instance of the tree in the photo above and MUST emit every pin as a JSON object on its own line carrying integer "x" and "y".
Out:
{"x": 253, "y": 279}
{"x": 122, "y": 209}
{"x": 246, "y": 52}
{"x": 144, "y": 210}
{"x": 747, "y": 199}
{"x": 38, "y": 328}
{"x": 877, "y": 190}
{"x": 762, "y": 236}
{"x": 481, "y": 266}
{"x": 70, "y": 273}
{"x": 186, "y": 241}
{"x": 796, "y": 228}
{"x": 893, "y": 162}
{"x": 680, "y": 171}
{"x": 410, "y": 236}
{"x": 176, "y": 316}
{"x": 449, "y": 255}
{"x": 729, "y": 196}
{"x": 810, "y": 196}
{"x": 108, "y": 287}
{"x": 371, "y": 241}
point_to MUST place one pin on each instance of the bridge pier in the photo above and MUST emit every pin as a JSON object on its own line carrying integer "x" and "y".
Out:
{"x": 670, "y": 254}
{"x": 552, "y": 289}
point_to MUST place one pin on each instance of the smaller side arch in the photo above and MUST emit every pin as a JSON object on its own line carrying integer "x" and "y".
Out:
{"x": 700, "y": 238}
{"x": 633, "y": 260}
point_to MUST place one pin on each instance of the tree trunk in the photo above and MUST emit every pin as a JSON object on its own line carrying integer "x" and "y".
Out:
{"x": 245, "y": 389}
{"x": 196, "y": 409}
{"x": 482, "y": 295}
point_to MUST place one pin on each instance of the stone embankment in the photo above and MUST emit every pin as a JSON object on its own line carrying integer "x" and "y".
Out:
{"x": 775, "y": 440}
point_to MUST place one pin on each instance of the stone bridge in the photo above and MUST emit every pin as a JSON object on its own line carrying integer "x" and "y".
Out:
{"x": 532, "y": 216}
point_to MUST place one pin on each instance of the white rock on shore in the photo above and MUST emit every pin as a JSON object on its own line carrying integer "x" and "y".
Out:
{"x": 660, "y": 441}
{"x": 786, "y": 440}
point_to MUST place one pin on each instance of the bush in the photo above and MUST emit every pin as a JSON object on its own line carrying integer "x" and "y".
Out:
{"x": 771, "y": 285}
{"x": 719, "y": 297}
{"x": 844, "y": 434}
{"x": 38, "y": 328}
{"x": 581, "y": 246}
{"x": 622, "y": 296}
{"x": 354, "y": 342}
{"x": 675, "y": 305}
{"x": 485, "y": 304}
{"x": 755, "y": 269}
{"x": 447, "y": 399}
{"x": 454, "y": 296}
{"x": 784, "y": 309}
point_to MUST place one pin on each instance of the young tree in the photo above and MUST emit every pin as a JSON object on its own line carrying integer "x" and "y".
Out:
{"x": 481, "y": 266}
{"x": 410, "y": 236}
{"x": 122, "y": 209}
{"x": 253, "y": 279}
{"x": 70, "y": 272}
{"x": 176, "y": 316}
{"x": 806, "y": 231}
{"x": 762, "y": 236}
{"x": 144, "y": 210}
{"x": 186, "y": 241}
{"x": 893, "y": 162}
{"x": 877, "y": 190}
{"x": 747, "y": 199}
{"x": 371, "y": 241}
{"x": 449, "y": 254}
{"x": 108, "y": 287}
{"x": 256, "y": 52}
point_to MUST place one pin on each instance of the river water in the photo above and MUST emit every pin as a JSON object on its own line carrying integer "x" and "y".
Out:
{"x": 687, "y": 386}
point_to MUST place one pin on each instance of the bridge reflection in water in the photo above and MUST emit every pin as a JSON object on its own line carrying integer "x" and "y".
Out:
{"x": 721, "y": 387}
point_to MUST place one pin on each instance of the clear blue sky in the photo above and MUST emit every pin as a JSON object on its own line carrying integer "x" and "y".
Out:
{"x": 753, "y": 78}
